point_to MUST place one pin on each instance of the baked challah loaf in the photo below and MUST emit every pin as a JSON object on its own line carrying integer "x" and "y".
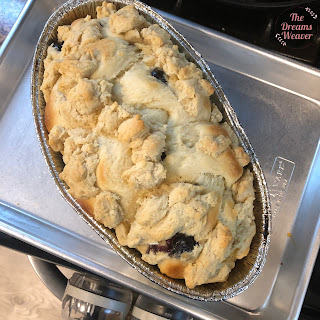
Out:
{"x": 144, "y": 148}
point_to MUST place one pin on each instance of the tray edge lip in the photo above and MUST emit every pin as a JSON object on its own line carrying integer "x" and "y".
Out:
{"x": 5, "y": 46}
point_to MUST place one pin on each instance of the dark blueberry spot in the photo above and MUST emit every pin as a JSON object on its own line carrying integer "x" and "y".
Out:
{"x": 163, "y": 248}
{"x": 163, "y": 156}
{"x": 176, "y": 245}
{"x": 159, "y": 74}
{"x": 101, "y": 24}
{"x": 58, "y": 45}
{"x": 157, "y": 248}
{"x": 181, "y": 243}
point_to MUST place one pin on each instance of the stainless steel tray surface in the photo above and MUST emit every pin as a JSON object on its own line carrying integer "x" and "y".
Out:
{"x": 277, "y": 102}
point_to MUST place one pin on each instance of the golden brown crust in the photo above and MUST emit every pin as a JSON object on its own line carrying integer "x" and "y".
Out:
{"x": 106, "y": 48}
{"x": 50, "y": 116}
{"x": 105, "y": 10}
{"x": 233, "y": 168}
{"x": 126, "y": 19}
{"x": 102, "y": 174}
{"x": 87, "y": 205}
{"x": 213, "y": 215}
{"x": 144, "y": 148}
{"x": 173, "y": 268}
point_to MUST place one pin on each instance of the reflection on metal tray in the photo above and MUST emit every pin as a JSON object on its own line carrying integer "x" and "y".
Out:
{"x": 277, "y": 102}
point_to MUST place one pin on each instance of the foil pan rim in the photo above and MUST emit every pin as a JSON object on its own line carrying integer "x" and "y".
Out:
{"x": 231, "y": 117}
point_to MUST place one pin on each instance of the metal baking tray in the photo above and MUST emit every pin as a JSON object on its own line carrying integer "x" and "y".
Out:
{"x": 277, "y": 102}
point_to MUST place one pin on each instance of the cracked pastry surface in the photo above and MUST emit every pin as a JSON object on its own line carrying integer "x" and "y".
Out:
{"x": 146, "y": 152}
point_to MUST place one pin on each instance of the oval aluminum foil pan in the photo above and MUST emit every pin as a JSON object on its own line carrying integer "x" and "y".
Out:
{"x": 247, "y": 269}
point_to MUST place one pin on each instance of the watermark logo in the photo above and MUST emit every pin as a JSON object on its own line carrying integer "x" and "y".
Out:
{"x": 297, "y": 27}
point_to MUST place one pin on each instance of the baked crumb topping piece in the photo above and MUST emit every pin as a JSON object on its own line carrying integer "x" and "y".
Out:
{"x": 145, "y": 149}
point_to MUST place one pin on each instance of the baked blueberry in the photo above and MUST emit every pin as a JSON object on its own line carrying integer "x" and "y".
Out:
{"x": 158, "y": 248}
{"x": 159, "y": 74}
{"x": 176, "y": 245}
{"x": 180, "y": 243}
{"x": 163, "y": 156}
{"x": 58, "y": 45}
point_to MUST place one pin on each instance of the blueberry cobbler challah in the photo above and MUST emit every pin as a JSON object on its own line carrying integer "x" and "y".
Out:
{"x": 144, "y": 148}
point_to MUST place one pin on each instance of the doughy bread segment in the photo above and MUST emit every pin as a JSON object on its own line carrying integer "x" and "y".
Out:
{"x": 144, "y": 147}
